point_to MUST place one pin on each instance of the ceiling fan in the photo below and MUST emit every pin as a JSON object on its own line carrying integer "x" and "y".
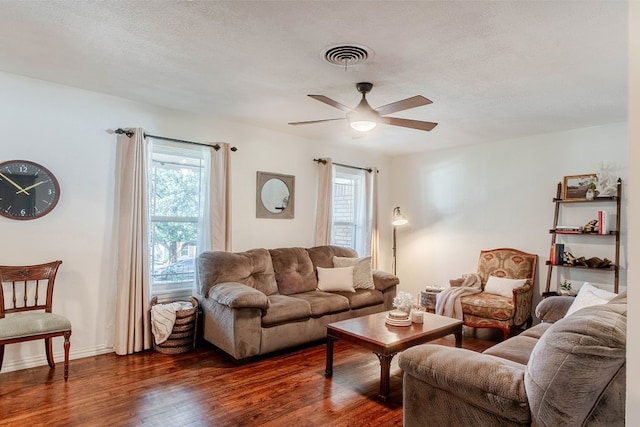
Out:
{"x": 363, "y": 118}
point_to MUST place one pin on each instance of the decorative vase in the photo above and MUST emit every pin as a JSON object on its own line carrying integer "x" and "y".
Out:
{"x": 590, "y": 194}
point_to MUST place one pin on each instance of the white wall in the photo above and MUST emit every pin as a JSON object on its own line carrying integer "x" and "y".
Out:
{"x": 498, "y": 194}
{"x": 66, "y": 130}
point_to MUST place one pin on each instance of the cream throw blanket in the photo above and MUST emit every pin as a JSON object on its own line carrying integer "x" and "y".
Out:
{"x": 163, "y": 316}
{"x": 448, "y": 301}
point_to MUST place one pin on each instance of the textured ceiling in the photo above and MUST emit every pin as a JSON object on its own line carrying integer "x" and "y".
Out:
{"x": 494, "y": 69}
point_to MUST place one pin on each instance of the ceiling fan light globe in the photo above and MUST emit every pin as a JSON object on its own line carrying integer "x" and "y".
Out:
{"x": 362, "y": 125}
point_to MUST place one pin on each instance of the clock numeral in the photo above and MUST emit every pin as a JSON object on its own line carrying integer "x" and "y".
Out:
{"x": 23, "y": 168}
{"x": 23, "y": 212}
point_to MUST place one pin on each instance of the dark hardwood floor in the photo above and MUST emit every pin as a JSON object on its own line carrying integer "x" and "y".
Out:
{"x": 205, "y": 387}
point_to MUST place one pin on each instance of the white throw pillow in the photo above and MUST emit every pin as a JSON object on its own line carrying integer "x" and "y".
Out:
{"x": 503, "y": 286}
{"x": 589, "y": 295}
{"x": 335, "y": 279}
{"x": 362, "y": 275}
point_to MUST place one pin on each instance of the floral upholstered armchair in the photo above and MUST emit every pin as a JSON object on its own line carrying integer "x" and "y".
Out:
{"x": 504, "y": 303}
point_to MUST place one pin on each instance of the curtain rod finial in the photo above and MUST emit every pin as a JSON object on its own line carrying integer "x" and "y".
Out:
{"x": 127, "y": 132}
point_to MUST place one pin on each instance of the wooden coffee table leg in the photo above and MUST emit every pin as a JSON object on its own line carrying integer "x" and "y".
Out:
{"x": 328, "y": 372}
{"x": 385, "y": 374}
{"x": 458, "y": 335}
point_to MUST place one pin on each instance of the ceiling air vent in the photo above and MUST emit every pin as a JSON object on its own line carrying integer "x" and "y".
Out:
{"x": 346, "y": 55}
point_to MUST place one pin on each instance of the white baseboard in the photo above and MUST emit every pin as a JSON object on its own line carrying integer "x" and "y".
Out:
{"x": 32, "y": 362}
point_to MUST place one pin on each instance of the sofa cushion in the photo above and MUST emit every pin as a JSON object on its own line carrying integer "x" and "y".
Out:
{"x": 335, "y": 279}
{"x": 362, "y": 275}
{"x": 536, "y": 331}
{"x": 488, "y": 306}
{"x": 324, "y": 302}
{"x": 283, "y": 309}
{"x": 363, "y": 298}
{"x": 294, "y": 271}
{"x": 517, "y": 349}
{"x": 252, "y": 268}
{"x": 322, "y": 256}
{"x": 574, "y": 364}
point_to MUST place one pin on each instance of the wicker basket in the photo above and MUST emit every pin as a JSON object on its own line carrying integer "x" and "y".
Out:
{"x": 183, "y": 334}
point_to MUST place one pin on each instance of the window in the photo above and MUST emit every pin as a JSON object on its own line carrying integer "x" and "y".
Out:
{"x": 176, "y": 177}
{"x": 349, "y": 212}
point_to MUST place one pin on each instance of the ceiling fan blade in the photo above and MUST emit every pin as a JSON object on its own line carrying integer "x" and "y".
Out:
{"x": 314, "y": 121}
{"x": 331, "y": 102}
{"x": 407, "y": 123}
{"x": 405, "y": 104}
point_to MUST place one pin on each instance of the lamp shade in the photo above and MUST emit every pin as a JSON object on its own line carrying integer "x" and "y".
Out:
{"x": 398, "y": 218}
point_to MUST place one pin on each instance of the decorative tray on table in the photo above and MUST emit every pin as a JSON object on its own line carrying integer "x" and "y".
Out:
{"x": 397, "y": 318}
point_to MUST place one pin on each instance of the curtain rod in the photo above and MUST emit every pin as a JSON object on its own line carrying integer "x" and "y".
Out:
{"x": 129, "y": 134}
{"x": 324, "y": 162}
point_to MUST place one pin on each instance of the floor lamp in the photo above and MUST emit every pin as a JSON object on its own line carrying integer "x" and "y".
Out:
{"x": 397, "y": 220}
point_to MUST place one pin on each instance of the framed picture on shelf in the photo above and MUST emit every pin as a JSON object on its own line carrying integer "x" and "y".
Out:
{"x": 575, "y": 186}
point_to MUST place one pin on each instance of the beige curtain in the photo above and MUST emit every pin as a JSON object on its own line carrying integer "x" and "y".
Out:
{"x": 220, "y": 199}
{"x": 132, "y": 325}
{"x": 324, "y": 207}
{"x": 371, "y": 184}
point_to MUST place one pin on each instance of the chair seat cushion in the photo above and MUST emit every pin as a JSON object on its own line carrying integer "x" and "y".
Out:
{"x": 488, "y": 306}
{"x": 35, "y": 323}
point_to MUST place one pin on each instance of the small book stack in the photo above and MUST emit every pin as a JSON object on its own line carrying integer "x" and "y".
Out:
{"x": 557, "y": 249}
{"x": 603, "y": 221}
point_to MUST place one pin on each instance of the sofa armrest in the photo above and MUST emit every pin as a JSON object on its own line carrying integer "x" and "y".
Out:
{"x": 383, "y": 280}
{"x": 477, "y": 382}
{"x": 237, "y": 295}
{"x": 552, "y": 309}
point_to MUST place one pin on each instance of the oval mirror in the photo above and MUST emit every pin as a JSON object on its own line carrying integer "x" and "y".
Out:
{"x": 274, "y": 195}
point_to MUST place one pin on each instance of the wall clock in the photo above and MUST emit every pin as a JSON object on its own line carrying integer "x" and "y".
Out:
{"x": 27, "y": 190}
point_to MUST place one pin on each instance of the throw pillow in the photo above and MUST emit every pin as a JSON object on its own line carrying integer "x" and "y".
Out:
{"x": 503, "y": 286}
{"x": 362, "y": 275}
{"x": 335, "y": 279}
{"x": 589, "y": 295}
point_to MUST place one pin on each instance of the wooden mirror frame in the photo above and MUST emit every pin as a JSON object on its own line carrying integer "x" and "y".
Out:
{"x": 288, "y": 180}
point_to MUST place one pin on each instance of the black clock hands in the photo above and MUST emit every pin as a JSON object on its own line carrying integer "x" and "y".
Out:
{"x": 24, "y": 190}
{"x": 10, "y": 181}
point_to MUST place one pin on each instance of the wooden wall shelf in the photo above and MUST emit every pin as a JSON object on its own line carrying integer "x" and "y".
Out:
{"x": 615, "y": 267}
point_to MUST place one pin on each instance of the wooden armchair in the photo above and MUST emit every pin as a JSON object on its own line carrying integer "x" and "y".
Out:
{"x": 492, "y": 310}
{"x": 24, "y": 292}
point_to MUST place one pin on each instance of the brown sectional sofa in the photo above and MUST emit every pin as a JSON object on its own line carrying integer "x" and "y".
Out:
{"x": 260, "y": 301}
{"x": 563, "y": 372}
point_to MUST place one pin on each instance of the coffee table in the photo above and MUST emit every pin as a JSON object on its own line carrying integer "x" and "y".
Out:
{"x": 372, "y": 333}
